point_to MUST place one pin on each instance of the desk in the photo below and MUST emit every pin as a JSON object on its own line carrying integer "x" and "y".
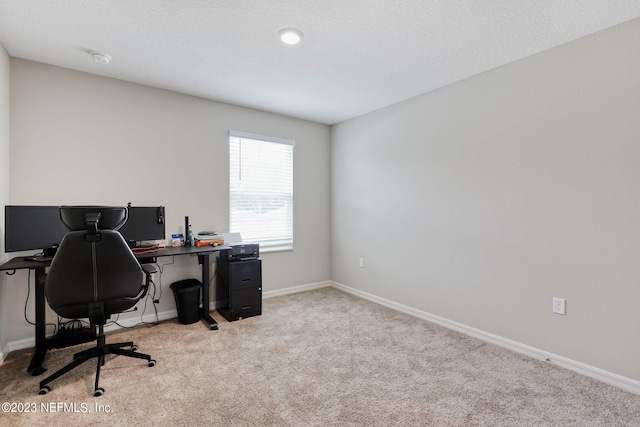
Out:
{"x": 43, "y": 344}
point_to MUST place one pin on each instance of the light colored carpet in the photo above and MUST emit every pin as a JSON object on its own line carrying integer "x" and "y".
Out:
{"x": 317, "y": 358}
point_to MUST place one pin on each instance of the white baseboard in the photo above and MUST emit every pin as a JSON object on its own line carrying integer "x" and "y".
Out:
{"x": 4, "y": 352}
{"x": 18, "y": 345}
{"x": 147, "y": 318}
{"x": 616, "y": 380}
{"x": 296, "y": 289}
{"x": 127, "y": 323}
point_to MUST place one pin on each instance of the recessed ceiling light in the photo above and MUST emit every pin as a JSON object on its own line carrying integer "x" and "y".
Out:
{"x": 100, "y": 57}
{"x": 290, "y": 35}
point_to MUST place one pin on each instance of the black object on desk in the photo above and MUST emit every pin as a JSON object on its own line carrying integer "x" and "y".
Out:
{"x": 43, "y": 344}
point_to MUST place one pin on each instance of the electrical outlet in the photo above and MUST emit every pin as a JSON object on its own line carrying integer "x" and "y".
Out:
{"x": 559, "y": 305}
{"x": 361, "y": 262}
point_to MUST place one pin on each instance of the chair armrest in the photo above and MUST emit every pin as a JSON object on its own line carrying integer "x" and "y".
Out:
{"x": 149, "y": 269}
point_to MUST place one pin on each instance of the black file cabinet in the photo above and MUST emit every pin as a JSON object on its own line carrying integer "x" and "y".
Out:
{"x": 239, "y": 287}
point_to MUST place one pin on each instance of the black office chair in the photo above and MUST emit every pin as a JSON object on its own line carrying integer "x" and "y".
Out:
{"x": 93, "y": 275}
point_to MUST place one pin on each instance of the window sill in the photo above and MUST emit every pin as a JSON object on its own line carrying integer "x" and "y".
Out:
{"x": 276, "y": 249}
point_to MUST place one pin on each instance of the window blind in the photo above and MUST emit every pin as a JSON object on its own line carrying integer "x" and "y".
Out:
{"x": 261, "y": 189}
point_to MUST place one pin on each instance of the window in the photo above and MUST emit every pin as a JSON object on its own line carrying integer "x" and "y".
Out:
{"x": 261, "y": 189}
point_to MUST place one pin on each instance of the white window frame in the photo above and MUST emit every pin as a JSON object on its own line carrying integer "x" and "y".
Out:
{"x": 252, "y": 226}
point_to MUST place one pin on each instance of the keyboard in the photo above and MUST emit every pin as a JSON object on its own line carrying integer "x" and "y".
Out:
{"x": 39, "y": 258}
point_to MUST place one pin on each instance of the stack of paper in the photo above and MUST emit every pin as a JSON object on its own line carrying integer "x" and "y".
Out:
{"x": 205, "y": 238}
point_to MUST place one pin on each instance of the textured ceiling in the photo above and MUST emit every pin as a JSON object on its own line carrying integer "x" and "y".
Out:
{"x": 356, "y": 55}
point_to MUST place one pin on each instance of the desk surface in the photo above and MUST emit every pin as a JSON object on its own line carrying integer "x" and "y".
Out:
{"x": 19, "y": 263}
{"x": 178, "y": 250}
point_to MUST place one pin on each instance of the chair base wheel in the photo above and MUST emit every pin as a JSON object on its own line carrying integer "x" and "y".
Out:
{"x": 44, "y": 390}
{"x": 99, "y": 392}
{"x": 134, "y": 348}
{"x": 152, "y": 363}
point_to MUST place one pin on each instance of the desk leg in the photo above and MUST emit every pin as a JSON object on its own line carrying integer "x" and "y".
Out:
{"x": 35, "y": 367}
{"x": 205, "y": 260}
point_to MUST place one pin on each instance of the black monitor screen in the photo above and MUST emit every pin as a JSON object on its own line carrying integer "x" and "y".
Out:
{"x": 32, "y": 228}
{"x": 144, "y": 223}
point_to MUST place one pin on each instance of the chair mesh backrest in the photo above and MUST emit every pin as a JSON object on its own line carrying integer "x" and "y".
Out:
{"x": 85, "y": 271}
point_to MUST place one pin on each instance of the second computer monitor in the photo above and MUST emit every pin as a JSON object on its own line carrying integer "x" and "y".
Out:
{"x": 144, "y": 223}
{"x": 32, "y": 228}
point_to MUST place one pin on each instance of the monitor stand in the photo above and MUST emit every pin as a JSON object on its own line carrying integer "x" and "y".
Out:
{"x": 49, "y": 252}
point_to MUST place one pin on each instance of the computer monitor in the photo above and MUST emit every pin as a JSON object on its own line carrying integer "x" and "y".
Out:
{"x": 40, "y": 227}
{"x": 144, "y": 223}
{"x": 29, "y": 228}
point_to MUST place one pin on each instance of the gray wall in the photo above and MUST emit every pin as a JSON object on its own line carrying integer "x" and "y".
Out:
{"x": 481, "y": 201}
{"x": 4, "y": 189}
{"x": 79, "y": 138}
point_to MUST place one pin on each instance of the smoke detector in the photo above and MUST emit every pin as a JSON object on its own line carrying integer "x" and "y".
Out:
{"x": 100, "y": 58}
